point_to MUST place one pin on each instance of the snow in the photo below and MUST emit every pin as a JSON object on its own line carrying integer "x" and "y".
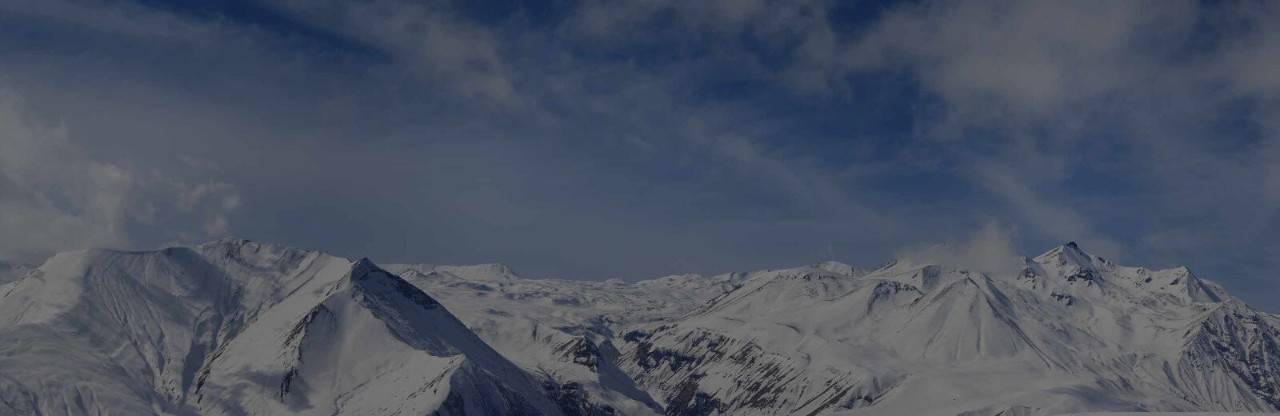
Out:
{"x": 239, "y": 327}
{"x": 1070, "y": 332}
{"x": 206, "y": 330}
{"x": 551, "y": 327}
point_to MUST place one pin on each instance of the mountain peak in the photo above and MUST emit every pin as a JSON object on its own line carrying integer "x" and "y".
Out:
{"x": 1069, "y": 254}
{"x": 370, "y": 279}
{"x": 362, "y": 267}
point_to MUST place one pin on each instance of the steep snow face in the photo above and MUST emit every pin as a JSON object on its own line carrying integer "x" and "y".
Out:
{"x": 1071, "y": 331}
{"x": 1233, "y": 358}
{"x": 206, "y": 330}
{"x": 125, "y": 331}
{"x": 369, "y": 343}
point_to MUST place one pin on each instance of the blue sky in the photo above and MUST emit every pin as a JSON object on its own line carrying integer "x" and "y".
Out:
{"x": 635, "y": 138}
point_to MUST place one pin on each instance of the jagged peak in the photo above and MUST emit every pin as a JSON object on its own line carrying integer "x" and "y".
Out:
{"x": 366, "y": 275}
{"x": 363, "y": 267}
{"x": 1069, "y": 254}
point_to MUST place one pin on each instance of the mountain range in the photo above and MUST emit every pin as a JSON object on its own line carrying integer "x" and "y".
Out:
{"x": 236, "y": 327}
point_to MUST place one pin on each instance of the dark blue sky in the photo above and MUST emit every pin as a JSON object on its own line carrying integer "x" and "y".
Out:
{"x": 638, "y": 138}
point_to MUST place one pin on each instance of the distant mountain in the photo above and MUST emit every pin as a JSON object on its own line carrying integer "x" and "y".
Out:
{"x": 236, "y": 327}
{"x": 1069, "y": 332}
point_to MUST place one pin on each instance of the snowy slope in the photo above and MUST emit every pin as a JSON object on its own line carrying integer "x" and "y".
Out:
{"x": 1070, "y": 332}
{"x": 562, "y": 330}
{"x": 235, "y": 327}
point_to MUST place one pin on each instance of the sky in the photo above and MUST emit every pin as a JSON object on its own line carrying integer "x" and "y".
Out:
{"x": 637, "y": 138}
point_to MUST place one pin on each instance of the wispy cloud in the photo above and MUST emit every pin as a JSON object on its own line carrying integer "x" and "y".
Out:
{"x": 55, "y": 195}
{"x": 606, "y": 138}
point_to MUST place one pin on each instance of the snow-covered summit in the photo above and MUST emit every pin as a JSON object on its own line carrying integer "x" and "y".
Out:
{"x": 1067, "y": 255}
{"x": 236, "y": 327}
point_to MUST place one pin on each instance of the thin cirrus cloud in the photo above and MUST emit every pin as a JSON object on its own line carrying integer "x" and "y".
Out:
{"x": 635, "y": 138}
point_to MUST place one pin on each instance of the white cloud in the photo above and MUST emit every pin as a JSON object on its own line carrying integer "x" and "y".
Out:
{"x": 1031, "y": 93}
{"x": 1015, "y": 97}
{"x": 989, "y": 250}
{"x": 1051, "y": 214}
{"x": 55, "y": 196}
{"x": 191, "y": 196}
{"x": 1017, "y": 61}
{"x": 424, "y": 38}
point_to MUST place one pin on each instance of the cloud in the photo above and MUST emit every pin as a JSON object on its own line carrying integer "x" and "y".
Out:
{"x": 592, "y": 138}
{"x": 426, "y": 38}
{"x": 56, "y": 196}
{"x": 996, "y": 60}
{"x": 989, "y": 250}
{"x": 124, "y": 19}
{"x": 1023, "y": 98}
{"x": 610, "y": 23}
{"x": 1030, "y": 98}
{"x": 1050, "y": 215}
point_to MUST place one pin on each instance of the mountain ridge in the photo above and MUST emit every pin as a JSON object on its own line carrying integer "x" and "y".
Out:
{"x": 234, "y": 326}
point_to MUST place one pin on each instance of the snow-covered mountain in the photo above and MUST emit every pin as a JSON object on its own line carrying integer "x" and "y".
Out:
{"x": 564, "y": 330}
{"x": 241, "y": 328}
{"x": 237, "y": 327}
{"x": 1069, "y": 332}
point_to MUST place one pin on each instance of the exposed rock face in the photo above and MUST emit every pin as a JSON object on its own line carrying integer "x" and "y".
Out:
{"x": 1236, "y": 346}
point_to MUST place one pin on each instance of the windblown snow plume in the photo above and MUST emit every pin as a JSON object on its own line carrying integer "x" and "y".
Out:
{"x": 989, "y": 250}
